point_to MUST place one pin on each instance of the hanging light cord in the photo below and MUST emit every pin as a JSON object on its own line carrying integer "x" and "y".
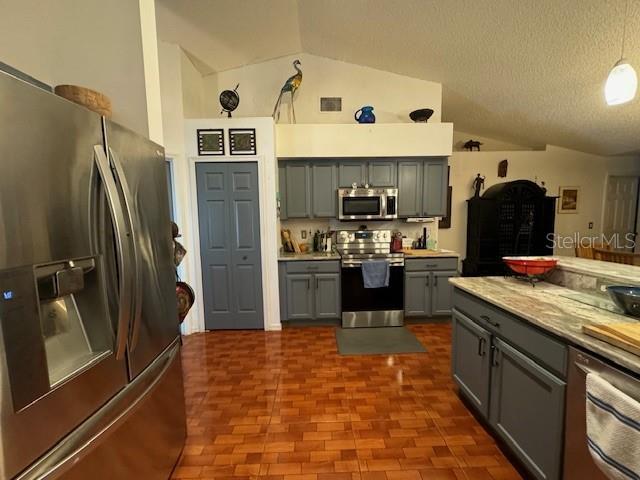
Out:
{"x": 624, "y": 27}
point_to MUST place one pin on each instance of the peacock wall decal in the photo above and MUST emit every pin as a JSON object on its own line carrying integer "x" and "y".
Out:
{"x": 291, "y": 85}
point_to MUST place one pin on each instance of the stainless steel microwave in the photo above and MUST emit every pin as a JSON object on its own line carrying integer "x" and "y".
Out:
{"x": 367, "y": 203}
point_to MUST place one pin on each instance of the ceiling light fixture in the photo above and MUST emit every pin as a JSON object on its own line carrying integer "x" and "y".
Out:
{"x": 622, "y": 82}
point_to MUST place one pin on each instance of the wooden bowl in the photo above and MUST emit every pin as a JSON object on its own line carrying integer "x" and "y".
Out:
{"x": 91, "y": 99}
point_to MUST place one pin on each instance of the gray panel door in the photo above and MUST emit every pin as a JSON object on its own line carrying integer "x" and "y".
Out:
{"x": 229, "y": 216}
{"x": 527, "y": 410}
{"x": 442, "y": 293}
{"x": 327, "y": 295}
{"x": 470, "y": 361}
{"x": 299, "y": 296}
{"x": 435, "y": 188}
{"x": 351, "y": 172}
{"x": 324, "y": 194}
{"x": 144, "y": 184}
{"x": 382, "y": 173}
{"x": 416, "y": 293}
{"x": 410, "y": 188}
{"x": 298, "y": 189}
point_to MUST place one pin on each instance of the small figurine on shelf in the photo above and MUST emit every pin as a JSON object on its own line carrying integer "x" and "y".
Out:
{"x": 471, "y": 144}
{"x": 478, "y": 184}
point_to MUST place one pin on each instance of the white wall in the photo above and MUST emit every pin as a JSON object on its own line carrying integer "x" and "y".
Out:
{"x": 91, "y": 43}
{"x": 149, "y": 38}
{"x": 555, "y": 166}
{"x": 393, "y": 96}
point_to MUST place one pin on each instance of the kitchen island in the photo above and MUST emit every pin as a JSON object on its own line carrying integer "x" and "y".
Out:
{"x": 519, "y": 354}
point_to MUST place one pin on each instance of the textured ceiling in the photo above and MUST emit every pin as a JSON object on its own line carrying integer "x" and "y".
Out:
{"x": 529, "y": 72}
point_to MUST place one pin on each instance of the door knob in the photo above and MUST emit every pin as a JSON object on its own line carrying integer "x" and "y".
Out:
{"x": 244, "y": 257}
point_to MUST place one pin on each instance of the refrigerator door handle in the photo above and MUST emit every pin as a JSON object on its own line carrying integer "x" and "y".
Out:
{"x": 125, "y": 257}
{"x": 131, "y": 214}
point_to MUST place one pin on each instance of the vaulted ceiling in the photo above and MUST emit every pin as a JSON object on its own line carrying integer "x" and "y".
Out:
{"x": 528, "y": 72}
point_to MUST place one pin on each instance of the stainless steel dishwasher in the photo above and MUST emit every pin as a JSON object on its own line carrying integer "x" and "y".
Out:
{"x": 578, "y": 464}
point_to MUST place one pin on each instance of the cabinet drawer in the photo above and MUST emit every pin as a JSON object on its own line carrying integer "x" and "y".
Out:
{"x": 318, "y": 266}
{"x": 419, "y": 264}
{"x": 547, "y": 350}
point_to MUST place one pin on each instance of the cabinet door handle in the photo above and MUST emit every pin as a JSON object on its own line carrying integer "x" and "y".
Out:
{"x": 309, "y": 284}
{"x": 481, "y": 342}
{"x": 494, "y": 356}
{"x": 427, "y": 280}
{"x": 487, "y": 319}
{"x": 435, "y": 281}
{"x": 317, "y": 283}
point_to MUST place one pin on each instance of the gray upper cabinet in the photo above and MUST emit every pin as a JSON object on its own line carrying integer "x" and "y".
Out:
{"x": 470, "y": 361}
{"x": 298, "y": 190}
{"x": 308, "y": 187}
{"x": 323, "y": 189}
{"x": 282, "y": 191}
{"x": 527, "y": 410}
{"x": 382, "y": 173}
{"x": 435, "y": 182}
{"x": 417, "y": 294}
{"x": 327, "y": 295}
{"x": 410, "y": 188}
{"x": 352, "y": 171}
{"x": 442, "y": 293}
{"x": 299, "y": 296}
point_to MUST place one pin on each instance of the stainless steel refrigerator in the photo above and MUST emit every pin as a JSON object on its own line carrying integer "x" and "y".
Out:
{"x": 90, "y": 374}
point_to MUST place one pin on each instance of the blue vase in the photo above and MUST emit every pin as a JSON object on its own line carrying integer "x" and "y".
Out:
{"x": 365, "y": 115}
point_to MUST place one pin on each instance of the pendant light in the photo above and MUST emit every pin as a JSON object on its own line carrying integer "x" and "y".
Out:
{"x": 622, "y": 81}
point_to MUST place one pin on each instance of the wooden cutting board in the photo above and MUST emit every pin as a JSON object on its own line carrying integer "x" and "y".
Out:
{"x": 622, "y": 335}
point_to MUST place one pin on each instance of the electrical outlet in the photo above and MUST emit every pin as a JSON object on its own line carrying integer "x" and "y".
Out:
{"x": 590, "y": 225}
{"x": 303, "y": 234}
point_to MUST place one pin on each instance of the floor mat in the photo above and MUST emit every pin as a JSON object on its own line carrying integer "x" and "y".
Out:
{"x": 372, "y": 341}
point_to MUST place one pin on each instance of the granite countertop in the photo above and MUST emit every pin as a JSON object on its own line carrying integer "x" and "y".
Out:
{"x": 413, "y": 253}
{"x": 545, "y": 307}
{"x": 311, "y": 256}
{"x": 611, "y": 272}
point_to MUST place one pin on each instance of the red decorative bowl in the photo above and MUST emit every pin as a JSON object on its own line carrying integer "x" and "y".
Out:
{"x": 530, "y": 266}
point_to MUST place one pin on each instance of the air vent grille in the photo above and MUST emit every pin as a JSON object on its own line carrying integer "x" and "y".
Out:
{"x": 330, "y": 104}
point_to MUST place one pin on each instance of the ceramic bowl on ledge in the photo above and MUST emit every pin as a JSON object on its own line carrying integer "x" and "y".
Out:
{"x": 627, "y": 298}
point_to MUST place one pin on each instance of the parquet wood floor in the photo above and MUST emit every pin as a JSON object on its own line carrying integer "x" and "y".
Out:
{"x": 285, "y": 406}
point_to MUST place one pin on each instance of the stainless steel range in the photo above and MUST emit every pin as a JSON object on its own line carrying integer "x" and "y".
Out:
{"x": 370, "y": 307}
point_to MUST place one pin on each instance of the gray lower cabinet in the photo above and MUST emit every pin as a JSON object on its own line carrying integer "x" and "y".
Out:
{"x": 427, "y": 293}
{"x": 527, "y": 410}
{"x": 382, "y": 173}
{"x": 442, "y": 292}
{"x": 523, "y": 400}
{"x": 299, "y": 296}
{"x": 435, "y": 184}
{"x": 309, "y": 290}
{"x": 297, "y": 190}
{"x": 470, "y": 361}
{"x": 410, "y": 188}
{"x": 417, "y": 294}
{"x": 327, "y": 295}
{"x": 323, "y": 190}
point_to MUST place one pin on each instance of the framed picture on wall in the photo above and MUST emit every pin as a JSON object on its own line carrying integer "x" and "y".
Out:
{"x": 210, "y": 142}
{"x": 242, "y": 141}
{"x": 568, "y": 201}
